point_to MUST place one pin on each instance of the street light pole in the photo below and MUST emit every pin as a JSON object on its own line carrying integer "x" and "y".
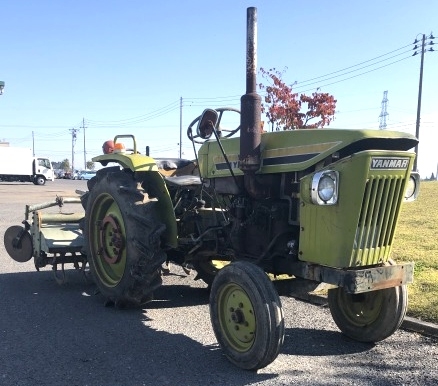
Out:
{"x": 2, "y": 86}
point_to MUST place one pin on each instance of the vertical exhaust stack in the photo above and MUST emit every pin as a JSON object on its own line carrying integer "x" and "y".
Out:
{"x": 250, "y": 123}
{"x": 250, "y": 103}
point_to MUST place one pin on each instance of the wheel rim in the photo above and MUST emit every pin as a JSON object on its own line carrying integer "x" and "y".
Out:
{"x": 236, "y": 317}
{"x": 361, "y": 309}
{"x": 107, "y": 240}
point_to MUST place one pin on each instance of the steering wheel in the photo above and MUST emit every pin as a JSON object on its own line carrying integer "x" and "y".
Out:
{"x": 194, "y": 137}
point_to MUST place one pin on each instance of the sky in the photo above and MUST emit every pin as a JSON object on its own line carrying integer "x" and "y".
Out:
{"x": 95, "y": 69}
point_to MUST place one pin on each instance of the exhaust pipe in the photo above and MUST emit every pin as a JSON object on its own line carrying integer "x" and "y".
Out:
{"x": 250, "y": 103}
{"x": 250, "y": 107}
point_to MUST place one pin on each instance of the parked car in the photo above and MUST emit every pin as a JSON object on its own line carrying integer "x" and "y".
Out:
{"x": 76, "y": 175}
{"x": 87, "y": 175}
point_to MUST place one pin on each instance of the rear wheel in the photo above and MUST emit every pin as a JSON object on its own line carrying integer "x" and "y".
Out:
{"x": 122, "y": 238}
{"x": 370, "y": 316}
{"x": 246, "y": 315}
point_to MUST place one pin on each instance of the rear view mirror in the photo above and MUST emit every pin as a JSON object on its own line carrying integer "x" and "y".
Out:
{"x": 207, "y": 123}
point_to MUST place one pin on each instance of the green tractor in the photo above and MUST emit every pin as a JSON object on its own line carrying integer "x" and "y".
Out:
{"x": 320, "y": 206}
{"x": 316, "y": 206}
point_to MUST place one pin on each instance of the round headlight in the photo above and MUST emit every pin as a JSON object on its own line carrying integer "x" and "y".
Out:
{"x": 410, "y": 188}
{"x": 326, "y": 188}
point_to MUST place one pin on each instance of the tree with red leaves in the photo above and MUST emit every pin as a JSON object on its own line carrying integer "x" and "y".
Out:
{"x": 283, "y": 107}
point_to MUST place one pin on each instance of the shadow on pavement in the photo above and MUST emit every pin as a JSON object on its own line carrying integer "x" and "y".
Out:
{"x": 63, "y": 335}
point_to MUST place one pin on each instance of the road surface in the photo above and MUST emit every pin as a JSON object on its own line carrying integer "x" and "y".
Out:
{"x": 53, "y": 334}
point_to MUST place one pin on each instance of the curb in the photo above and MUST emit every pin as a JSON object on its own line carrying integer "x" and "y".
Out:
{"x": 420, "y": 327}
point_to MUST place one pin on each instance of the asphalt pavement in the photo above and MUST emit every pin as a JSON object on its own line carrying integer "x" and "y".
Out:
{"x": 56, "y": 335}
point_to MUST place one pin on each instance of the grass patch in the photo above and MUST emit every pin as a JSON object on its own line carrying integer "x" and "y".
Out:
{"x": 423, "y": 295}
{"x": 416, "y": 240}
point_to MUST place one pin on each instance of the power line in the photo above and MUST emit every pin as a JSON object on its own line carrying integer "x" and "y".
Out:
{"x": 355, "y": 65}
{"x": 355, "y": 111}
{"x": 355, "y": 76}
{"x": 322, "y": 78}
{"x": 143, "y": 116}
{"x": 352, "y": 71}
{"x": 206, "y": 101}
{"x": 135, "y": 120}
{"x": 36, "y": 126}
{"x": 326, "y": 77}
{"x": 216, "y": 98}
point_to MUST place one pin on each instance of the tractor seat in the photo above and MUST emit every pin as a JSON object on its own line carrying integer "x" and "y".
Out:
{"x": 186, "y": 180}
{"x": 172, "y": 167}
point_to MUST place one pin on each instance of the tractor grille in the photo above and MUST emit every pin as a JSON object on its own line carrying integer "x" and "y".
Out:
{"x": 378, "y": 217}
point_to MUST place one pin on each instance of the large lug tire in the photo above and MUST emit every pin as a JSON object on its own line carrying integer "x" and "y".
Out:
{"x": 91, "y": 182}
{"x": 122, "y": 239}
{"x": 370, "y": 316}
{"x": 246, "y": 315}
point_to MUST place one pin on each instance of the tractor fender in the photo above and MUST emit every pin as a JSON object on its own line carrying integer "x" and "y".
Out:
{"x": 158, "y": 187}
{"x": 146, "y": 170}
{"x": 135, "y": 162}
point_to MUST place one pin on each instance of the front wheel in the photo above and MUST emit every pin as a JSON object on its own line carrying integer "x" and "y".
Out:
{"x": 122, "y": 238}
{"x": 370, "y": 316}
{"x": 39, "y": 180}
{"x": 246, "y": 315}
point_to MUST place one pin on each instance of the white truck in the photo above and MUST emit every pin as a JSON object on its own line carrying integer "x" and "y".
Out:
{"x": 19, "y": 164}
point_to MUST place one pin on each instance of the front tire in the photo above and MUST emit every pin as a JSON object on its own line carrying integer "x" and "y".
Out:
{"x": 122, "y": 239}
{"x": 246, "y": 315}
{"x": 370, "y": 316}
{"x": 39, "y": 180}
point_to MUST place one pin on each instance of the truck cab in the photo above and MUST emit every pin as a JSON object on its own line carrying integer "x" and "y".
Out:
{"x": 43, "y": 170}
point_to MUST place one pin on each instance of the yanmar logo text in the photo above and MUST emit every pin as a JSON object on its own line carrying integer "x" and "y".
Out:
{"x": 389, "y": 163}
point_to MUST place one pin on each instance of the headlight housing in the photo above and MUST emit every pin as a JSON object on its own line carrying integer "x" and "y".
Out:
{"x": 325, "y": 188}
{"x": 412, "y": 187}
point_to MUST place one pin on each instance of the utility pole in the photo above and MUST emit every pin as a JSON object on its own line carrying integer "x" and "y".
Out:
{"x": 33, "y": 144}
{"x": 384, "y": 112}
{"x": 180, "y": 125}
{"x": 73, "y": 141}
{"x": 420, "y": 87}
{"x": 85, "y": 153}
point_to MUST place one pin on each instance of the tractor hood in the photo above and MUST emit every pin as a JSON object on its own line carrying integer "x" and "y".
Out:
{"x": 284, "y": 151}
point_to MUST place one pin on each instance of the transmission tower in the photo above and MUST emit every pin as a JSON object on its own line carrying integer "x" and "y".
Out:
{"x": 384, "y": 112}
